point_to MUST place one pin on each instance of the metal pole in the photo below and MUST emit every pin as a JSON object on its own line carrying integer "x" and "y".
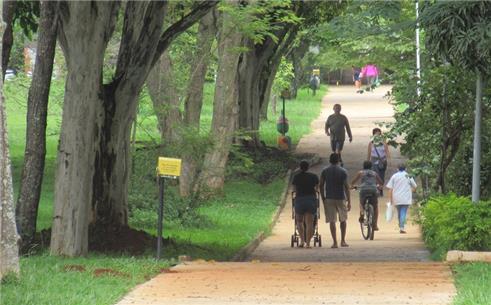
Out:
{"x": 476, "y": 160}
{"x": 284, "y": 118}
{"x": 418, "y": 60}
{"x": 160, "y": 216}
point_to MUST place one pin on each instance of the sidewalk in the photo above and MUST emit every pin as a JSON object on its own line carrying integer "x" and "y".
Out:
{"x": 393, "y": 269}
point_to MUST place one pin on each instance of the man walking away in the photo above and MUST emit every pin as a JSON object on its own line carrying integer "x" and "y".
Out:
{"x": 335, "y": 192}
{"x": 400, "y": 188}
{"x": 314, "y": 83}
{"x": 336, "y": 127}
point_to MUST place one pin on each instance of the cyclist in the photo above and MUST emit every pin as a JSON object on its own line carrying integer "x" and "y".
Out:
{"x": 370, "y": 183}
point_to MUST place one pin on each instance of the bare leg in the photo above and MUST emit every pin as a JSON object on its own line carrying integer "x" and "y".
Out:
{"x": 332, "y": 226}
{"x": 309, "y": 225}
{"x": 299, "y": 219}
{"x": 343, "y": 234}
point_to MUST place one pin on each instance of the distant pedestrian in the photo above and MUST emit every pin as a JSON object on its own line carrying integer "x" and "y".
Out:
{"x": 400, "y": 188}
{"x": 314, "y": 83}
{"x": 305, "y": 202}
{"x": 337, "y": 125}
{"x": 370, "y": 71}
{"x": 378, "y": 153}
{"x": 335, "y": 195}
{"x": 356, "y": 78}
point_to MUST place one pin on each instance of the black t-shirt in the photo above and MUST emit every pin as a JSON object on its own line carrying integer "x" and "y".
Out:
{"x": 305, "y": 183}
{"x": 335, "y": 177}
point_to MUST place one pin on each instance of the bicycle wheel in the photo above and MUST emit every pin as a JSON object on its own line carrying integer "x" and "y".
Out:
{"x": 371, "y": 214}
{"x": 365, "y": 229}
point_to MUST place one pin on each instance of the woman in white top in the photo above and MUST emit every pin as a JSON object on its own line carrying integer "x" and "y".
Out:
{"x": 400, "y": 188}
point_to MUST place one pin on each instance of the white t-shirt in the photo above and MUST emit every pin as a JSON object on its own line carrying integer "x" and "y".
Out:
{"x": 401, "y": 185}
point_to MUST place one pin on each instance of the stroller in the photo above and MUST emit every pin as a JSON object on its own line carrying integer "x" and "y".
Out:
{"x": 295, "y": 239}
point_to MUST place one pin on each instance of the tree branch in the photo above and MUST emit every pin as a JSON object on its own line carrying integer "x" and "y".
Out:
{"x": 182, "y": 25}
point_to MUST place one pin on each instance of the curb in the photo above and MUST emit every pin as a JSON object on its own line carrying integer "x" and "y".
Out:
{"x": 247, "y": 250}
{"x": 455, "y": 256}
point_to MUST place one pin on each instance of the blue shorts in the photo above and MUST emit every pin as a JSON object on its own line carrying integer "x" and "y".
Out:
{"x": 305, "y": 204}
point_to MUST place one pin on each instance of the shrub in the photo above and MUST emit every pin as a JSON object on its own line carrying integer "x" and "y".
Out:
{"x": 450, "y": 222}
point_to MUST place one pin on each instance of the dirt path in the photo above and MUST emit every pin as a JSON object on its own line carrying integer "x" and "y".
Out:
{"x": 392, "y": 269}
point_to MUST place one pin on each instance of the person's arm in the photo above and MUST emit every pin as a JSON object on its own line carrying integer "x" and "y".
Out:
{"x": 326, "y": 127}
{"x": 347, "y": 192}
{"x": 413, "y": 184}
{"x": 386, "y": 148}
{"x": 348, "y": 129}
{"x": 321, "y": 187}
{"x": 369, "y": 153}
{"x": 356, "y": 178}
{"x": 390, "y": 197}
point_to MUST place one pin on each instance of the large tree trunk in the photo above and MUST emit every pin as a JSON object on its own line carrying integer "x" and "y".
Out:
{"x": 94, "y": 154}
{"x": 85, "y": 28}
{"x": 37, "y": 110}
{"x": 163, "y": 92}
{"x": 254, "y": 73}
{"x": 194, "y": 98}
{"x": 225, "y": 107}
{"x": 9, "y": 251}
{"x": 297, "y": 55}
{"x": 8, "y": 35}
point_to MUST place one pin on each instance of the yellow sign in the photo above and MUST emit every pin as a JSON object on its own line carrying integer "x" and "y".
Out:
{"x": 316, "y": 72}
{"x": 169, "y": 167}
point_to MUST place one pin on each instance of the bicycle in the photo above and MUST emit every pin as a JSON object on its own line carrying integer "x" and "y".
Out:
{"x": 367, "y": 225}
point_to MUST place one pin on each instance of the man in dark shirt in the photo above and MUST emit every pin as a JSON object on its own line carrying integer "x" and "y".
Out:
{"x": 336, "y": 127}
{"x": 334, "y": 189}
{"x": 305, "y": 202}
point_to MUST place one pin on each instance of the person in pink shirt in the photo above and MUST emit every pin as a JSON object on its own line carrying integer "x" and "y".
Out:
{"x": 370, "y": 71}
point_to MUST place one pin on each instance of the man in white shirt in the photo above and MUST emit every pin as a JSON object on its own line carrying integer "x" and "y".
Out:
{"x": 400, "y": 188}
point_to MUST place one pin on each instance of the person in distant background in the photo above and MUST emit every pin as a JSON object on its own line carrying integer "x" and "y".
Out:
{"x": 370, "y": 71}
{"x": 314, "y": 83}
{"x": 356, "y": 78}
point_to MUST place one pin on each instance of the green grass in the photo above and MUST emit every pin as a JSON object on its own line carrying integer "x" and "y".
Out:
{"x": 47, "y": 280}
{"x": 473, "y": 282}
{"x": 218, "y": 229}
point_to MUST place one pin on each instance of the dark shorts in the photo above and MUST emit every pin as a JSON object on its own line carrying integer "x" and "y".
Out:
{"x": 305, "y": 204}
{"x": 356, "y": 76}
{"x": 373, "y": 193}
{"x": 337, "y": 145}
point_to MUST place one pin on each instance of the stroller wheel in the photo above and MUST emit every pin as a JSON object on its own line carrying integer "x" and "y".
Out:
{"x": 320, "y": 241}
{"x": 292, "y": 241}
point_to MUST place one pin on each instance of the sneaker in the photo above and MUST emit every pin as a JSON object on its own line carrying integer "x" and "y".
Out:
{"x": 402, "y": 232}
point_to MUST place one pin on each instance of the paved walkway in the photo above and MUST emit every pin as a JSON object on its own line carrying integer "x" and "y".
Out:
{"x": 392, "y": 269}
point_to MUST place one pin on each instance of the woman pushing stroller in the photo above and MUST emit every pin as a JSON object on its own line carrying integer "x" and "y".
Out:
{"x": 305, "y": 205}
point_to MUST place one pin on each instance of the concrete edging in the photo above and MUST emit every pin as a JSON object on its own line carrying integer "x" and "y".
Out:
{"x": 455, "y": 256}
{"x": 247, "y": 250}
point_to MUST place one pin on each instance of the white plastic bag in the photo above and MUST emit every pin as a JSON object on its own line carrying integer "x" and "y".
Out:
{"x": 388, "y": 212}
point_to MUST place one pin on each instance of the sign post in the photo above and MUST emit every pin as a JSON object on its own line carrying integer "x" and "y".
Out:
{"x": 167, "y": 168}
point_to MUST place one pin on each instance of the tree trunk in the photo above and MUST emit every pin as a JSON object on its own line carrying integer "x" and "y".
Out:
{"x": 84, "y": 48}
{"x": 163, "y": 92}
{"x": 94, "y": 153}
{"x": 37, "y": 110}
{"x": 9, "y": 251}
{"x": 225, "y": 107}
{"x": 254, "y": 73}
{"x": 298, "y": 70}
{"x": 194, "y": 98}
{"x": 8, "y": 35}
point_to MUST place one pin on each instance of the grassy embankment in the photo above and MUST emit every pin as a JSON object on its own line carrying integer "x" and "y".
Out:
{"x": 218, "y": 229}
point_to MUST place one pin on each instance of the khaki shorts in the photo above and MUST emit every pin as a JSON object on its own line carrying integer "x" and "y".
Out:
{"x": 333, "y": 207}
